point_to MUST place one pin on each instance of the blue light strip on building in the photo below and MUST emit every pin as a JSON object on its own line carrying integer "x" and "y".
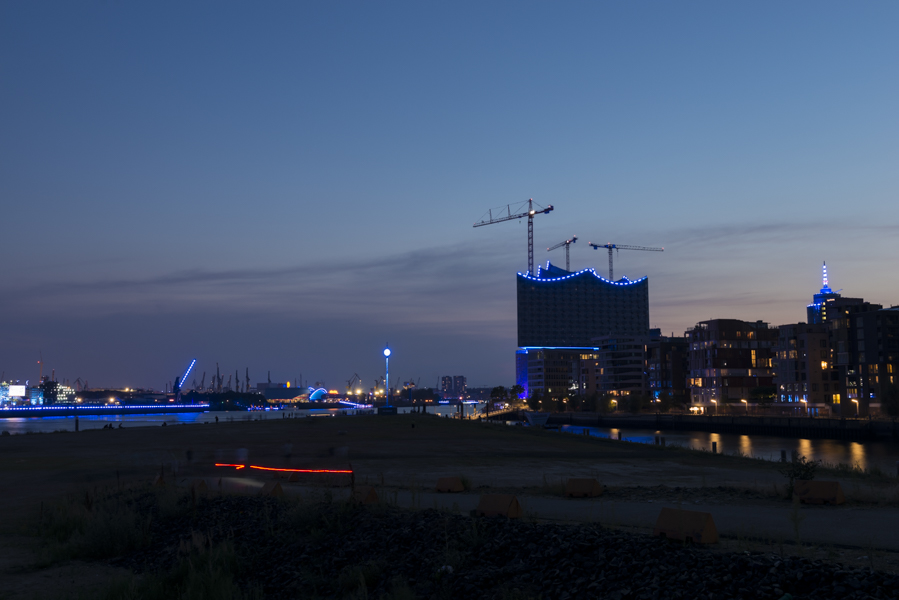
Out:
{"x": 559, "y": 348}
{"x": 591, "y": 271}
{"x": 96, "y": 406}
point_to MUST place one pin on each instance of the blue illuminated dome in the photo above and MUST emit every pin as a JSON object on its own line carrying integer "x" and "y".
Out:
{"x": 319, "y": 394}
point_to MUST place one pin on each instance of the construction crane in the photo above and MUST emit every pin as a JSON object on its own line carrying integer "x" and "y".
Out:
{"x": 567, "y": 244}
{"x": 529, "y": 213}
{"x": 203, "y": 382}
{"x": 620, "y": 247}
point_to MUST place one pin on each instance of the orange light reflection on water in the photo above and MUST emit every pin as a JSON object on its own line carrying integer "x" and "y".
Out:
{"x": 745, "y": 445}
{"x": 857, "y": 455}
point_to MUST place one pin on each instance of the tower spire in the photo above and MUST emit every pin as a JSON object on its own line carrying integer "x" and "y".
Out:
{"x": 825, "y": 289}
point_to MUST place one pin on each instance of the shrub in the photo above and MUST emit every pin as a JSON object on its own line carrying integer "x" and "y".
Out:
{"x": 801, "y": 469}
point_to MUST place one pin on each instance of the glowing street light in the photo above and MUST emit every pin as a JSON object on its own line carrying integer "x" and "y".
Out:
{"x": 806, "y": 406}
{"x": 856, "y": 407}
{"x": 715, "y": 402}
{"x": 747, "y": 405}
{"x": 387, "y": 373}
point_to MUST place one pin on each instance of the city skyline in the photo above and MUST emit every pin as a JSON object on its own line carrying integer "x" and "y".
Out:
{"x": 287, "y": 188}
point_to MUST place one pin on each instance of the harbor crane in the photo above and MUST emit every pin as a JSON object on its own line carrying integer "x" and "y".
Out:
{"x": 508, "y": 216}
{"x": 620, "y": 247}
{"x": 567, "y": 244}
{"x": 352, "y": 380}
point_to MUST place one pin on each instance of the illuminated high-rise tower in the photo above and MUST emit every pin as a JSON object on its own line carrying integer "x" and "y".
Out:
{"x": 817, "y": 310}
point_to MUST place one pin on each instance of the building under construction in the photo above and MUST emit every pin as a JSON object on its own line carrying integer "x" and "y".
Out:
{"x": 562, "y": 313}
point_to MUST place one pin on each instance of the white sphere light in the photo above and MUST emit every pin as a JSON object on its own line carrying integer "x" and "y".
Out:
{"x": 386, "y": 351}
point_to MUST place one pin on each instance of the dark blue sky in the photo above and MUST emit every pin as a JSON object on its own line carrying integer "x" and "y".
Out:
{"x": 287, "y": 186}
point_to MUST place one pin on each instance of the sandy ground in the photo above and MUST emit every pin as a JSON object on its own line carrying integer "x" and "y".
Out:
{"x": 403, "y": 457}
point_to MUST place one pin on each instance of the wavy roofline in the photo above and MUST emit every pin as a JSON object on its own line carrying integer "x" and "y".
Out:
{"x": 530, "y": 277}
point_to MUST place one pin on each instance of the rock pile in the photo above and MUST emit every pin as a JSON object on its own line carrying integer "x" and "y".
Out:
{"x": 335, "y": 550}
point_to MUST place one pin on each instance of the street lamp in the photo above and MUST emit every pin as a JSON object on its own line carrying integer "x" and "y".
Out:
{"x": 387, "y": 373}
{"x": 856, "y": 408}
{"x": 747, "y": 405}
{"x": 715, "y": 402}
{"x": 806, "y": 407}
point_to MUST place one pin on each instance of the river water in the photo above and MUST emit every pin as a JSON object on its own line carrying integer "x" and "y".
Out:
{"x": 20, "y": 425}
{"x": 864, "y": 455}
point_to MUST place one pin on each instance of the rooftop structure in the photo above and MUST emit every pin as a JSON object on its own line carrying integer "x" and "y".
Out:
{"x": 564, "y": 309}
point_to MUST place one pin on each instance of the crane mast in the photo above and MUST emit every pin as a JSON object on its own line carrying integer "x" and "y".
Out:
{"x": 567, "y": 244}
{"x": 620, "y": 247}
{"x": 529, "y": 213}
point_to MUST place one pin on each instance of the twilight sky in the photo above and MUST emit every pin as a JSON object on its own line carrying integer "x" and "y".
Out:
{"x": 287, "y": 186}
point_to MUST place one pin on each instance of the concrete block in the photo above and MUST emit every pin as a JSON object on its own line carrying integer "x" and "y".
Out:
{"x": 583, "y": 488}
{"x": 819, "y": 492}
{"x": 686, "y": 525}
{"x": 498, "y": 505}
{"x": 450, "y": 485}
{"x": 365, "y": 494}
{"x": 272, "y": 488}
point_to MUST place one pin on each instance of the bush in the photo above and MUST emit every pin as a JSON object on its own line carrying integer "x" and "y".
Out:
{"x": 801, "y": 469}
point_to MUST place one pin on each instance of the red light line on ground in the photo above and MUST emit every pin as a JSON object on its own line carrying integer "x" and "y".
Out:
{"x": 284, "y": 470}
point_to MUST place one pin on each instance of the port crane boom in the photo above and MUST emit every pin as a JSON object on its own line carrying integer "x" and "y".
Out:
{"x": 567, "y": 244}
{"x": 350, "y": 382}
{"x": 620, "y": 247}
{"x": 508, "y": 216}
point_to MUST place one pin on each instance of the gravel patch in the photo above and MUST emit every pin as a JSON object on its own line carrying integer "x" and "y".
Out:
{"x": 334, "y": 550}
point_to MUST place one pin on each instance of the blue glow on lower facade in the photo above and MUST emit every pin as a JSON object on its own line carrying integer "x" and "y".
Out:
{"x": 559, "y": 348}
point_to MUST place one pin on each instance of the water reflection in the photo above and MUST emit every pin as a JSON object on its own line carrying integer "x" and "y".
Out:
{"x": 857, "y": 454}
{"x": 866, "y": 455}
{"x": 805, "y": 447}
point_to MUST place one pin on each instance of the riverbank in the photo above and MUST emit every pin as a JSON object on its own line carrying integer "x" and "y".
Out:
{"x": 403, "y": 456}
